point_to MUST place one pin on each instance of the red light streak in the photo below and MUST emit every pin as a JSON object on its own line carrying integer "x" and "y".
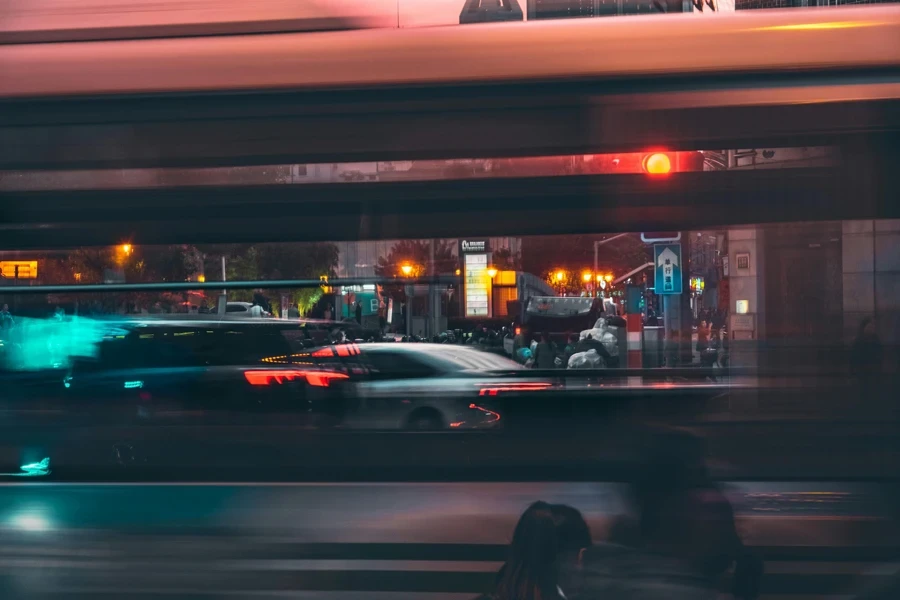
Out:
{"x": 313, "y": 378}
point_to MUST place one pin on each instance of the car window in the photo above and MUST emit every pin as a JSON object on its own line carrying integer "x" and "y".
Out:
{"x": 399, "y": 364}
{"x": 242, "y": 346}
{"x": 462, "y": 360}
{"x": 235, "y": 308}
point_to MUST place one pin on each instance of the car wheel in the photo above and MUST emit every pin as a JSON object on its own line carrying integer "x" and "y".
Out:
{"x": 425, "y": 421}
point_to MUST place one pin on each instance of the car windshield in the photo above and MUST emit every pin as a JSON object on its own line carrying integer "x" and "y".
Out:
{"x": 451, "y": 359}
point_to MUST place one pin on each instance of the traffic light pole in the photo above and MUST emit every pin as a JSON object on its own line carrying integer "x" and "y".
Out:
{"x": 687, "y": 316}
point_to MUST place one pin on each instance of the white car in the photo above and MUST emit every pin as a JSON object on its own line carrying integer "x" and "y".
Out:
{"x": 418, "y": 386}
{"x": 245, "y": 310}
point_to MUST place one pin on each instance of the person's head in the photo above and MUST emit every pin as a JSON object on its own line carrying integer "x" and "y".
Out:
{"x": 545, "y": 337}
{"x": 573, "y": 338}
{"x": 867, "y": 327}
{"x": 547, "y": 538}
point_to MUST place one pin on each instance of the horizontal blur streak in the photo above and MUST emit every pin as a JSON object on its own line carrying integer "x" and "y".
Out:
{"x": 30, "y": 21}
{"x": 422, "y": 541}
{"x": 814, "y": 26}
{"x": 370, "y": 172}
{"x": 567, "y": 49}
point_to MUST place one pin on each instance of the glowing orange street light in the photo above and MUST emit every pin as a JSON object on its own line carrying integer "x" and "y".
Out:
{"x": 657, "y": 164}
{"x": 608, "y": 278}
{"x": 407, "y": 269}
{"x": 587, "y": 276}
{"x": 492, "y": 272}
{"x": 559, "y": 276}
{"x": 125, "y": 248}
{"x": 201, "y": 278}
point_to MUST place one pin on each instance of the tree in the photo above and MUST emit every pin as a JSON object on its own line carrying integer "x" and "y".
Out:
{"x": 505, "y": 259}
{"x": 542, "y": 255}
{"x": 262, "y": 262}
{"x": 417, "y": 254}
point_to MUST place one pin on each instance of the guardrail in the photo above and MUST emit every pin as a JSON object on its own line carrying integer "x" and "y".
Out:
{"x": 90, "y": 288}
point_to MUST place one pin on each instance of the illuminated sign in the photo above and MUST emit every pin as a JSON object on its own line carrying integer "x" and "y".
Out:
{"x": 477, "y": 286}
{"x": 19, "y": 269}
{"x": 467, "y": 246}
{"x": 698, "y": 284}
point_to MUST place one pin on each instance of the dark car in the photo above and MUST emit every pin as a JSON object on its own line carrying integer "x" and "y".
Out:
{"x": 182, "y": 370}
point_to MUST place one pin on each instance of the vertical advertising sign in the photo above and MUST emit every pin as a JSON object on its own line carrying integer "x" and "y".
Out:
{"x": 477, "y": 283}
{"x": 667, "y": 266}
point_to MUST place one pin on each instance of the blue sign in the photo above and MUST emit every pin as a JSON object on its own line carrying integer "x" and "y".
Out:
{"x": 667, "y": 265}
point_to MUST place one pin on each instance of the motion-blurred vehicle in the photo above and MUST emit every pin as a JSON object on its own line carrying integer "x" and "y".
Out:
{"x": 187, "y": 369}
{"x": 418, "y": 386}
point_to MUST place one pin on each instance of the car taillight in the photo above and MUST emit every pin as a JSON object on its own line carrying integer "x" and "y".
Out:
{"x": 314, "y": 378}
{"x": 339, "y": 350}
{"x": 524, "y": 386}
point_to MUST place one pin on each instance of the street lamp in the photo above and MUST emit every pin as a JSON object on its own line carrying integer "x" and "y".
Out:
{"x": 559, "y": 276}
{"x": 492, "y": 272}
{"x": 406, "y": 269}
{"x": 607, "y": 278}
{"x": 126, "y": 249}
{"x": 587, "y": 276}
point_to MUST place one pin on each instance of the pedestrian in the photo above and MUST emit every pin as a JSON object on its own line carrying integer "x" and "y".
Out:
{"x": 866, "y": 362}
{"x": 867, "y": 353}
{"x": 702, "y": 337}
{"x": 570, "y": 347}
{"x": 710, "y": 353}
{"x": 6, "y": 319}
{"x": 681, "y": 542}
{"x": 293, "y": 312}
{"x": 359, "y": 312}
{"x": 382, "y": 316}
{"x": 544, "y": 353}
{"x": 546, "y": 544}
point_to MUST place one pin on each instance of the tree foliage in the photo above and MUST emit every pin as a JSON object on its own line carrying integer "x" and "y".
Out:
{"x": 262, "y": 262}
{"x": 417, "y": 253}
{"x": 542, "y": 255}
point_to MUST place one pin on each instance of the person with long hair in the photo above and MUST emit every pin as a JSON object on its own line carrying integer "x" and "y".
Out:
{"x": 548, "y": 539}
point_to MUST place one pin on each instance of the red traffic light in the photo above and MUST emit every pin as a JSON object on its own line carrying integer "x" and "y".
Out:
{"x": 657, "y": 163}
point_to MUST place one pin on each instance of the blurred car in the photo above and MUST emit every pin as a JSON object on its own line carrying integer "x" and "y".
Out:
{"x": 191, "y": 368}
{"x": 417, "y": 386}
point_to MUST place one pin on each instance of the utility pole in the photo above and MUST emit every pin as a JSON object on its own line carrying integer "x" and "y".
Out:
{"x": 687, "y": 315}
{"x": 599, "y": 243}
{"x": 223, "y": 297}
{"x": 432, "y": 314}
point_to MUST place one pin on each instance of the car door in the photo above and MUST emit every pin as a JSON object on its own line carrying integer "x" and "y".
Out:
{"x": 397, "y": 385}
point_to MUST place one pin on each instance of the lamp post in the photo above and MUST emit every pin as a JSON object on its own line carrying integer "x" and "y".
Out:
{"x": 599, "y": 243}
{"x": 407, "y": 270}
